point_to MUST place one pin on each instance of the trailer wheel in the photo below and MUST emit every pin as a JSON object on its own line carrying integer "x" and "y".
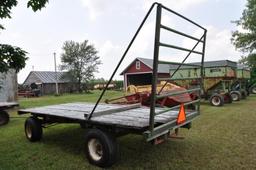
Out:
{"x": 236, "y": 95}
{"x": 4, "y": 117}
{"x": 101, "y": 148}
{"x": 216, "y": 100}
{"x": 33, "y": 129}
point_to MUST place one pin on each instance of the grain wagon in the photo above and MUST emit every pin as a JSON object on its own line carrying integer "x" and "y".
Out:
{"x": 217, "y": 79}
{"x": 241, "y": 83}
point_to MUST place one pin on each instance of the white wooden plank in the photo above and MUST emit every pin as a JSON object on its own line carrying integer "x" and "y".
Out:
{"x": 8, "y": 104}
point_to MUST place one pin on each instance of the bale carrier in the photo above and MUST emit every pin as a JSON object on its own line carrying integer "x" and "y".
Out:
{"x": 105, "y": 122}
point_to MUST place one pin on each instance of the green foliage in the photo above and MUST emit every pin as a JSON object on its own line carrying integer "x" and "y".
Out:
{"x": 245, "y": 41}
{"x": 11, "y": 58}
{"x": 36, "y": 4}
{"x": 80, "y": 60}
{"x": 6, "y": 6}
{"x": 119, "y": 84}
{"x": 14, "y": 57}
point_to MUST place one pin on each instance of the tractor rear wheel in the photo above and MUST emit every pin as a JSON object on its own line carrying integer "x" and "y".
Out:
{"x": 253, "y": 89}
{"x": 236, "y": 95}
{"x": 217, "y": 100}
{"x": 244, "y": 94}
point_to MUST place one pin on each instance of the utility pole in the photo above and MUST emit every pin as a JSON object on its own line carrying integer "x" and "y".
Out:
{"x": 56, "y": 76}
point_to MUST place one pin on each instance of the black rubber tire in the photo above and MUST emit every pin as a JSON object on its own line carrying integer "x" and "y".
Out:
{"x": 109, "y": 146}
{"x": 253, "y": 90}
{"x": 33, "y": 129}
{"x": 236, "y": 95}
{"x": 217, "y": 100}
{"x": 243, "y": 94}
{"x": 248, "y": 92}
{"x": 4, "y": 117}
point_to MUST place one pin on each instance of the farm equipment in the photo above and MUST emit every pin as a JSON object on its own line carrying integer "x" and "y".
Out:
{"x": 4, "y": 116}
{"x": 142, "y": 94}
{"x": 105, "y": 122}
{"x": 252, "y": 82}
{"x": 241, "y": 82}
{"x": 102, "y": 86}
{"x": 217, "y": 80}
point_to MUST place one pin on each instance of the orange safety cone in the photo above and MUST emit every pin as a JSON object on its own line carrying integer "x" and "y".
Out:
{"x": 182, "y": 115}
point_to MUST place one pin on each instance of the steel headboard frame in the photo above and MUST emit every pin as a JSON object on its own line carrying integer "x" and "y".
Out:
{"x": 157, "y": 45}
{"x": 122, "y": 58}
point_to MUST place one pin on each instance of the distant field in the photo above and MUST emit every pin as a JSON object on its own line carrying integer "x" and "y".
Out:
{"x": 221, "y": 138}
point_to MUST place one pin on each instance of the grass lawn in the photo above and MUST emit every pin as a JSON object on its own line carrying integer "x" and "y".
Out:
{"x": 221, "y": 138}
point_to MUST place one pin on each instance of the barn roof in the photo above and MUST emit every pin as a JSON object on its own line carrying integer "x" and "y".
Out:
{"x": 165, "y": 68}
{"x": 45, "y": 77}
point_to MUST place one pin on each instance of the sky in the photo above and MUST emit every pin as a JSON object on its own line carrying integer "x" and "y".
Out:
{"x": 110, "y": 25}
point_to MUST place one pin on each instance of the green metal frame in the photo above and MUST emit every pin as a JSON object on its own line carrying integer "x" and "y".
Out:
{"x": 153, "y": 131}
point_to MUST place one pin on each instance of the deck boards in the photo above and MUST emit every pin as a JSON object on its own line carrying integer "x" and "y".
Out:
{"x": 137, "y": 117}
{"x": 8, "y": 104}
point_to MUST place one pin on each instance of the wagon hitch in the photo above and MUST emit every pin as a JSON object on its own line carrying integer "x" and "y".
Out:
{"x": 175, "y": 135}
{"x": 163, "y": 138}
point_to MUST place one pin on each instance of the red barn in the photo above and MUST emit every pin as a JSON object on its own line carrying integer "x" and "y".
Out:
{"x": 139, "y": 72}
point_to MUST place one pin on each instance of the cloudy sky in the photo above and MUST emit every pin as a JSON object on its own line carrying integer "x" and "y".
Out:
{"x": 110, "y": 25}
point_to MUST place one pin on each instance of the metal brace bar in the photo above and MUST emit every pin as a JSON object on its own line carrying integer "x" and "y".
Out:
{"x": 180, "y": 65}
{"x": 185, "y": 64}
{"x": 121, "y": 60}
{"x": 181, "y": 33}
{"x": 183, "y": 17}
{"x": 178, "y": 106}
{"x": 180, "y": 48}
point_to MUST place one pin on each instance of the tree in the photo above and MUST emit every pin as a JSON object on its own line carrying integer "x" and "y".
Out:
{"x": 245, "y": 40}
{"x": 11, "y": 58}
{"x": 14, "y": 57}
{"x": 80, "y": 60}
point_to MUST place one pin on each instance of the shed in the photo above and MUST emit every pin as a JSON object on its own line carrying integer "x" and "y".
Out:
{"x": 8, "y": 86}
{"x": 139, "y": 72}
{"x": 46, "y": 81}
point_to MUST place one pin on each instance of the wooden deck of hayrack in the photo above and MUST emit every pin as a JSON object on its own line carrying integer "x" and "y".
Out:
{"x": 7, "y": 105}
{"x": 134, "y": 116}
